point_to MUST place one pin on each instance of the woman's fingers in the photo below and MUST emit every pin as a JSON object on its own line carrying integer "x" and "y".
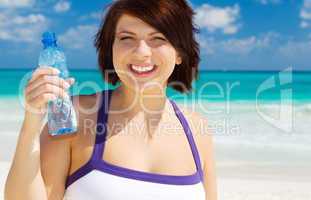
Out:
{"x": 47, "y": 88}
{"x": 45, "y": 85}
{"x": 42, "y": 100}
{"x": 43, "y": 70}
{"x": 47, "y": 79}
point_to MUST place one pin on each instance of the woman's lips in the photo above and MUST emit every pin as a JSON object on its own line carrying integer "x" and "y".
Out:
{"x": 135, "y": 70}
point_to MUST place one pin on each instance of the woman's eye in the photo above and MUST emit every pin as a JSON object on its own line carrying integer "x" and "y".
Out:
{"x": 155, "y": 38}
{"x": 124, "y": 38}
{"x": 159, "y": 38}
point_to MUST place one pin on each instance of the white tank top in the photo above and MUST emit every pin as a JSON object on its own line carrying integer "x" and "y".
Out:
{"x": 100, "y": 180}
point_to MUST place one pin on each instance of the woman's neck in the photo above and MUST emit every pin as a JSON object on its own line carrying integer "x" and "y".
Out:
{"x": 149, "y": 106}
{"x": 150, "y": 102}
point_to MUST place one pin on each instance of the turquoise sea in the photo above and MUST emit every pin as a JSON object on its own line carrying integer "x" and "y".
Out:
{"x": 211, "y": 85}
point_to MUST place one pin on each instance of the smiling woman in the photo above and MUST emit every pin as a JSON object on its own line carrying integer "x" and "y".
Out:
{"x": 124, "y": 147}
{"x": 170, "y": 30}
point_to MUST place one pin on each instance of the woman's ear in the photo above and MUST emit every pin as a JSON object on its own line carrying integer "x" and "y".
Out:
{"x": 178, "y": 60}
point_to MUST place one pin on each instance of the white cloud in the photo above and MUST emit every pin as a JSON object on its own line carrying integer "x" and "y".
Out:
{"x": 266, "y": 2}
{"x": 242, "y": 46}
{"x": 304, "y": 24}
{"x": 293, "y": 49}
{"x": 264, "y": 51}
{"x": 62, "y": 6}
{"x": 305, "y": 14}
{"x": 207, "y": 44}
{"x": 93, "y": 16}
{"x": 218, "y": 18}
{"x": 79, "y": 37}
{"x": 15, "y": 3}
{"x": 245, "y": 46}
{"x": 27, "y": 28}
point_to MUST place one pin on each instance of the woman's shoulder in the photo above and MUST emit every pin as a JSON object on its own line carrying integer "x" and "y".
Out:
{"x": 87, "y": 104}
{"x": 86, "y": 108}
{"x": 56, "y": 151}
{"x": 197, "y": 121}
{"x": 85, "y": 101}
{"x": 200, "y": 128}
{"x": 193, "y": 117}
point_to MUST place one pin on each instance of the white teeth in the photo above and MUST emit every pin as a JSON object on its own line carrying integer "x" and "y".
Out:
{"x": 142, "y": 69}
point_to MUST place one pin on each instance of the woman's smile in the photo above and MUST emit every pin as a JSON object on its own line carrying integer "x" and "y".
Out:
{"x": 142, "y": 70}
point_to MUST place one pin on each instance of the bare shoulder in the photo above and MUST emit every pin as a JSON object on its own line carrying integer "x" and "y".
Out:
{"x": 204, "y": 140}
{"x": 200, "y": 129}
{"x": 82, "y": 102}
{"x": 86, "y": 104}
{"x": 197, "y": 121}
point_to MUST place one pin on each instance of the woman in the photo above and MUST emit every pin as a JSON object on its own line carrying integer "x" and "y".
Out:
{"x": 145, "y": 46}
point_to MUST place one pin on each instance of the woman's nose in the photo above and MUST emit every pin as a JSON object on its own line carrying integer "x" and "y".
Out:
{"x": 143, "y": 49}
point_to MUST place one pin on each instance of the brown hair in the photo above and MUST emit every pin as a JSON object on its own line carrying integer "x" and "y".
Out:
{"x": 173, "y": 18}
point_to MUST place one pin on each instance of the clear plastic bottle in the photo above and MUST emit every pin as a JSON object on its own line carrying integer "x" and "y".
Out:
{"x": 61, "y": 113}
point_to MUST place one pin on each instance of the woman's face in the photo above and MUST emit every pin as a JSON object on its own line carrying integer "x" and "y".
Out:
{"x": 142, "y": 57}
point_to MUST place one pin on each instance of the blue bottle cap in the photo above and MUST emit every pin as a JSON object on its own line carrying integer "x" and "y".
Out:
{"x": 49, "y": 37}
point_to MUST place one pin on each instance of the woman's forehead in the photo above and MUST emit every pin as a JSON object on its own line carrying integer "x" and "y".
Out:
{"x": 130, "y": 24}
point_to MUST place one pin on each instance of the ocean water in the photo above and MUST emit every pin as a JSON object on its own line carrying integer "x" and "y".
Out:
{"x": 211, "y": 85}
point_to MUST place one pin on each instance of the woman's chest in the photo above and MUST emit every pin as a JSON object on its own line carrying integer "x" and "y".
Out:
{"x": 166, "y": 152}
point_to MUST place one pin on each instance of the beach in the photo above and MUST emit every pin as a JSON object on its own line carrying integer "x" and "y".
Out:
{"x": 256, "y": 161}
{"x": 244, "y": 66}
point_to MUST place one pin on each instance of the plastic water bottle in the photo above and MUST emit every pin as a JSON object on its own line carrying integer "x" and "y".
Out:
{"x": 61, "y": 113}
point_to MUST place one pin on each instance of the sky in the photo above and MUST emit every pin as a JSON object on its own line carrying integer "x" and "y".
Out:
{"x": 234, "y": 35}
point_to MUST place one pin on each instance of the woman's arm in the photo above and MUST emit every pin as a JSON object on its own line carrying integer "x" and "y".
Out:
{"x": 209, "y": 171}
{"x": 27, "y": 175}
{"x": 55, "y": 163}
{"x": 38, "y": 173}
{"x": 24, "y": 180}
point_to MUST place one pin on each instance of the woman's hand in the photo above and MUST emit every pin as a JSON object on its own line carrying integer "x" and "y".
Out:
{"x": 45, "y": 85}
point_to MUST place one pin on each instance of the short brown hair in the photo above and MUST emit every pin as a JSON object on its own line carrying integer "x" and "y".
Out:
{"x": 173, "y": 18}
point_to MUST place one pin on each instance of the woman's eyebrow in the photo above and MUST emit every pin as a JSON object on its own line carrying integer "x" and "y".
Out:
{"x": 132, "y": 33}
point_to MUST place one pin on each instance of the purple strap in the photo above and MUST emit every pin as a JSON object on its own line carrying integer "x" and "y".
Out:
{"x": 102, "y": 117}
{"x": 190, "y": 138}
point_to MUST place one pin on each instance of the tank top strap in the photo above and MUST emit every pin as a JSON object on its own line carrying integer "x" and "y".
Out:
{"x": 190, "y": 138}
{"x": 101, "y": 126}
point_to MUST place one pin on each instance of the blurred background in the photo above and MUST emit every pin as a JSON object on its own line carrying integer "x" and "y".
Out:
{"x": 254, "y": 84}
